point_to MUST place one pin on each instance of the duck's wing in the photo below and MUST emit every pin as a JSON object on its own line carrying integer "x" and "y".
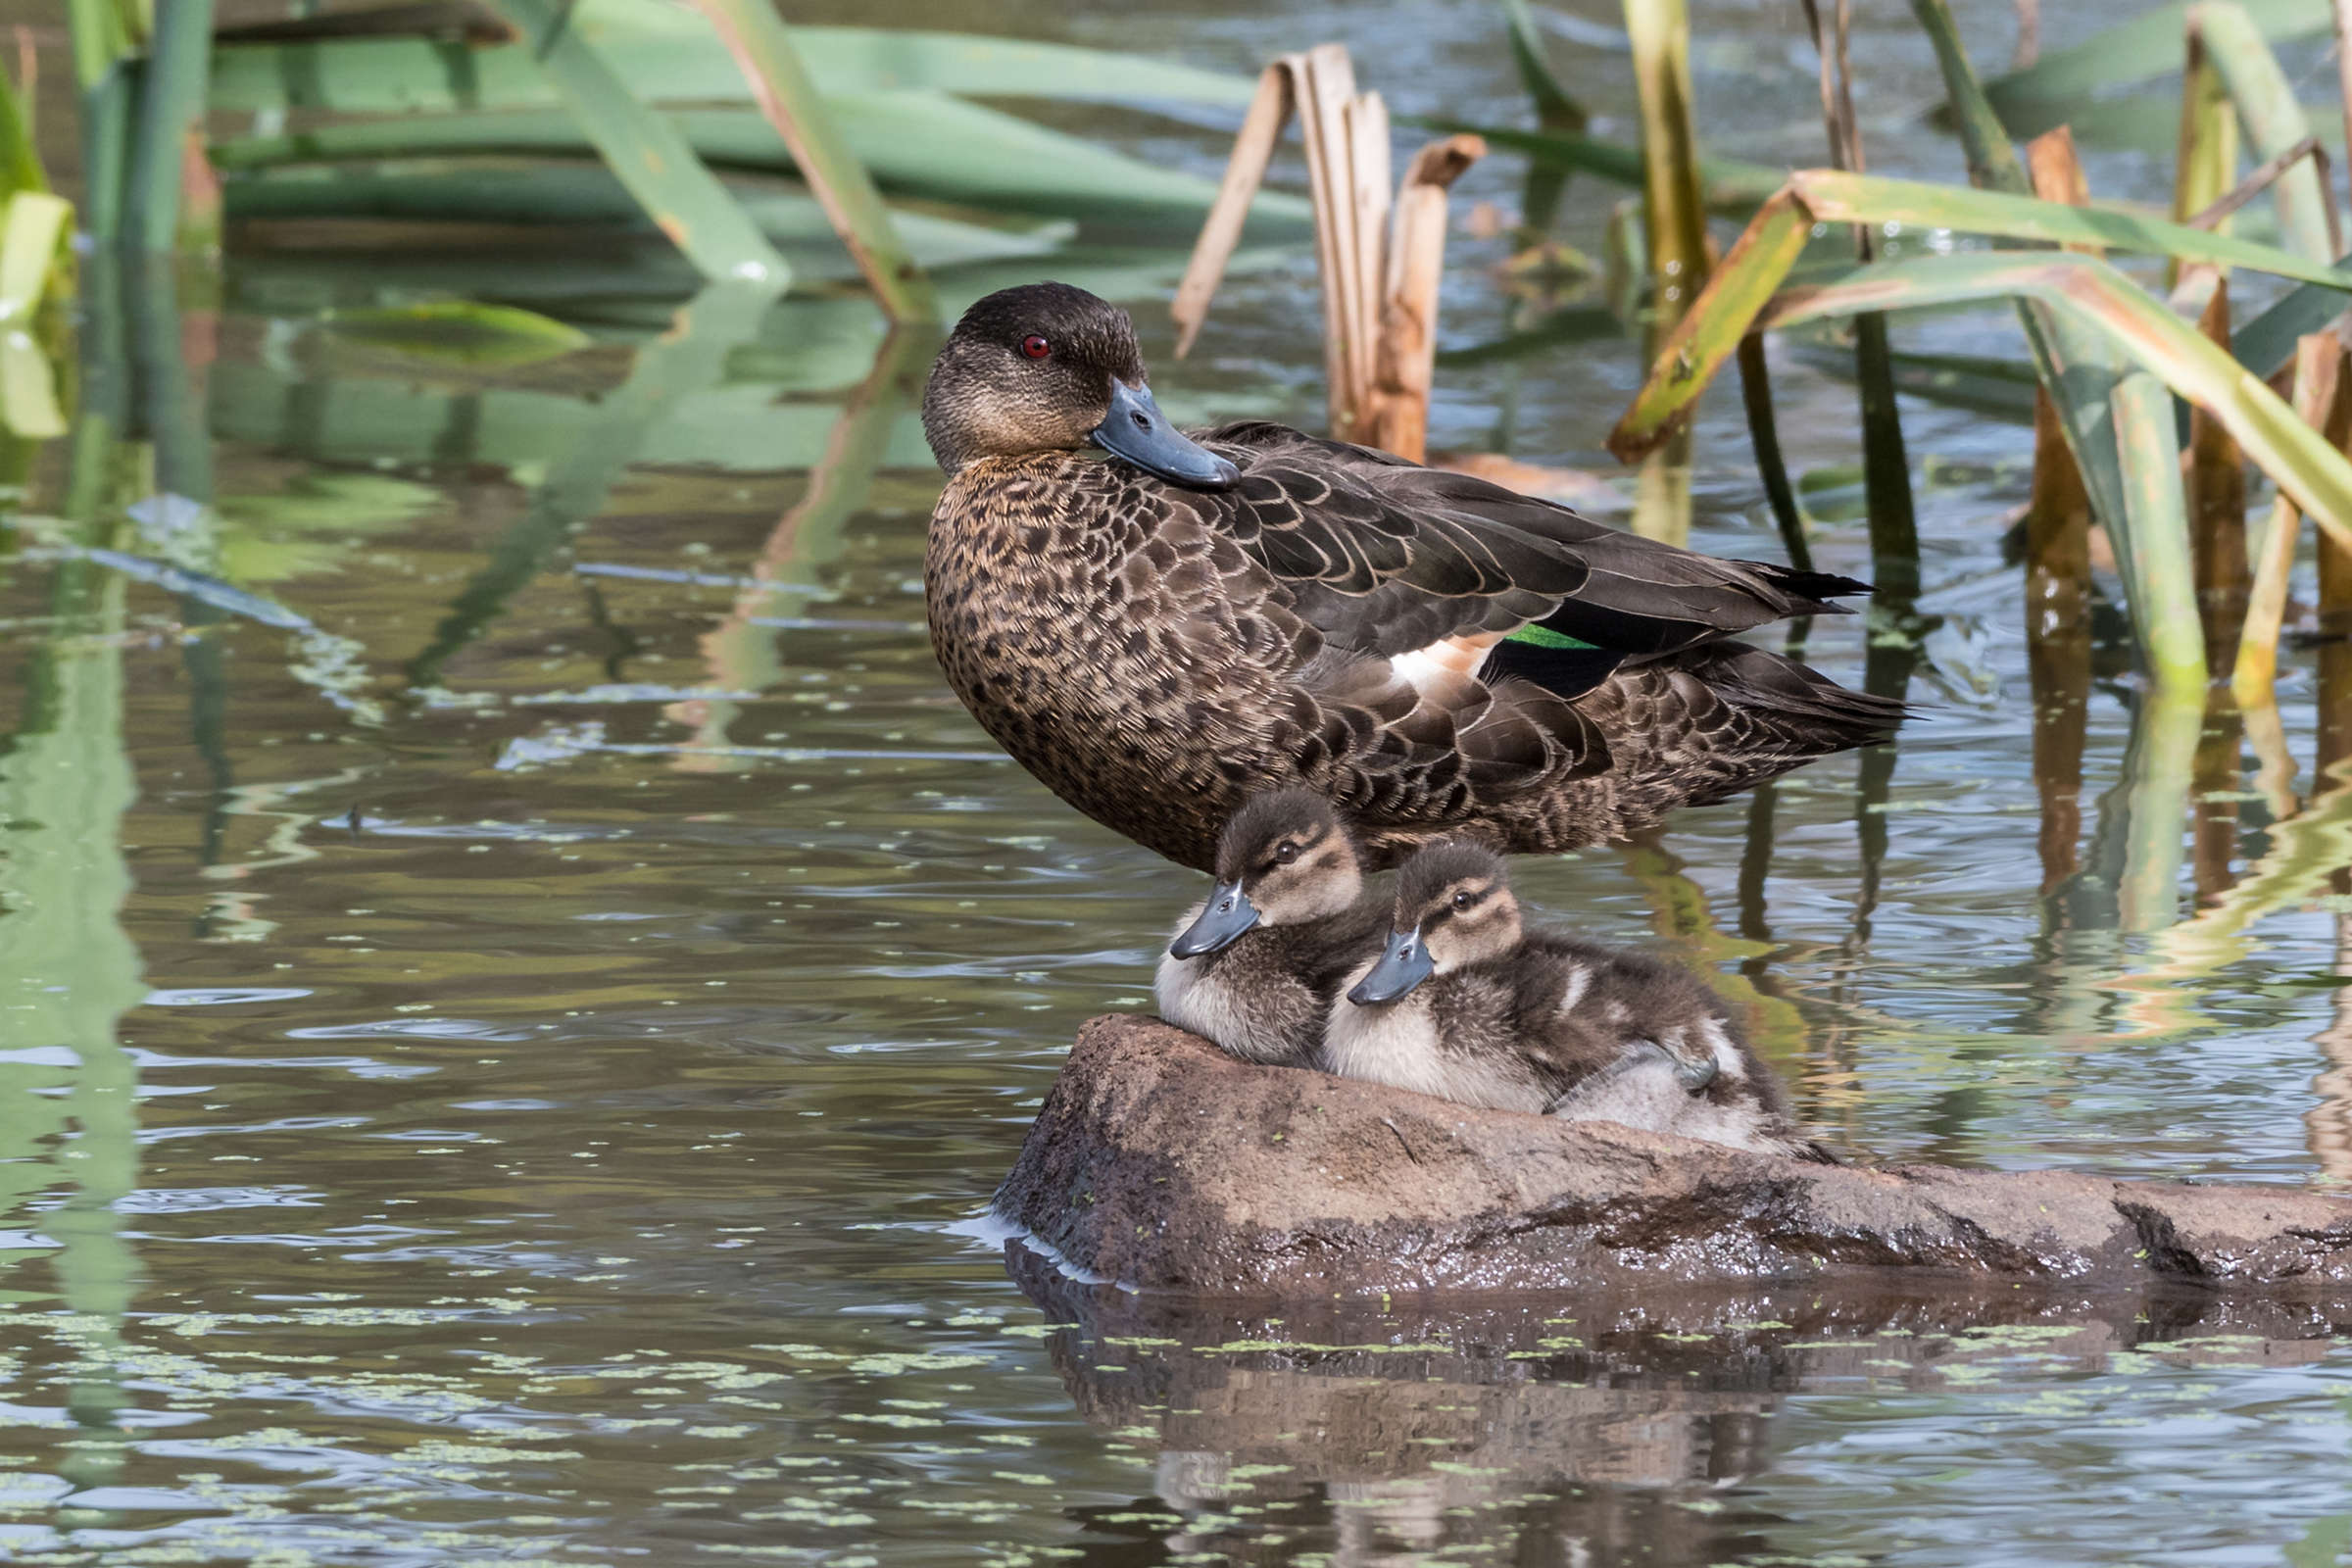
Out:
{"x": 1387, "y": 556}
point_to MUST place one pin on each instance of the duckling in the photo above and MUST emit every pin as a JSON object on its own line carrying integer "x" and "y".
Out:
{"x": 1157, "y": 624}
{"x": 1254, "y": 967}
{"x": 1467, "y": 1004}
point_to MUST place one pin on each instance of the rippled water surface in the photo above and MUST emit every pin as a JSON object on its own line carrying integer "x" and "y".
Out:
{"x": 509, "y": 1021}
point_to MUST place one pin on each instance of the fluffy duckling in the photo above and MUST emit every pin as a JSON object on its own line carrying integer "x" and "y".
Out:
{"x": 1466, "y": 1003}
{"x": 1255, "y": 966}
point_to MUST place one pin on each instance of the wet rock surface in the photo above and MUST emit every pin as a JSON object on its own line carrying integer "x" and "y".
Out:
{"x": 1161, "y": 1163}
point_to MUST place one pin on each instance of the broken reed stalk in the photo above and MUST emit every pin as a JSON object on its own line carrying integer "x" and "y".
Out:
{"x": 2217, "y": 505}
{"x": 2321, "y": 402}
{"x": 2058, "y": 516}
{"x": 1408, "y": 316}
{"x": 1381, "y": 259}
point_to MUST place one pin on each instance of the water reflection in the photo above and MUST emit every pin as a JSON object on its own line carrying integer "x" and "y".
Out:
{"x": 68, "y": 1112}
{"x": 1577, "y": 1428}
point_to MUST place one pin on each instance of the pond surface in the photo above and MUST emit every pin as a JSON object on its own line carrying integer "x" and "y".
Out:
{"x": 509, "y": 1021}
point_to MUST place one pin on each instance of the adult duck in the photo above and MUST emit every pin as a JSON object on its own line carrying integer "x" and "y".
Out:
{"x": 1159, "y": 625}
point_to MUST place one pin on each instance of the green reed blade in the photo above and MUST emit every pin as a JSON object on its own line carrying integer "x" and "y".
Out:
{"x": 671, "y": 55}
{"x": 917, "y": 144}
{"x": 586, "y": 193}
{"x": 2055, "y": 88}
{"x": 646, "y": 152}
{"x": 1556, "y": 110}
{"x": 1725, "y": 186}
{"x": 2274, "y": 121}
{"x": 1992, "y": 160}
{"x": 787, "y": 96}
{"x": 1833, "y": 197}
{"x": 170, "y": 115}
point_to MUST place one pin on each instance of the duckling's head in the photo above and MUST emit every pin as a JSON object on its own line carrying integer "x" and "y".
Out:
{"x": 1285, "y": 858}
{"x": 1454, "y": 909}
{"x": 1047, "y": 368}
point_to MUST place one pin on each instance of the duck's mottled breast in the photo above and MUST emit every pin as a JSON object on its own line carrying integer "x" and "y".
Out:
{"x": 1119, "y": 646}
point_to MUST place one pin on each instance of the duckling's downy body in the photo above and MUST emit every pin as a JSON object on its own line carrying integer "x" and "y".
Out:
{"x": 1159, "y": 633}
{"x": 1255, "y": 964}
{"x": 1467, "y": 1005}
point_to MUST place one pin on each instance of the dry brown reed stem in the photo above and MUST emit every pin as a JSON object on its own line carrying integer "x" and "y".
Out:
{"x": 2321, "y": 402}
{"x": 2217, "y": 507}
{"x": 1380, "y": 259}
{"x": 1319, "y": 87}
{"x": 1408, "y": 317}
{"x": 1245, "y": 172}
{"x": 2029, "y": 36}
{"x": 2260, "y": 180}
{"x": 2058, "y": 516}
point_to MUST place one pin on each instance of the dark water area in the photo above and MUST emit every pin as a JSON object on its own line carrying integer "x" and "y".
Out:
{"x": 510, "y": 1021}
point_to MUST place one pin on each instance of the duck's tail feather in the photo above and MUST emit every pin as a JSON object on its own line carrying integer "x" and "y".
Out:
{"x": 1710, "y": 722}
{"x": 1785, "y": 713}
{"x": 1817, "y": 587}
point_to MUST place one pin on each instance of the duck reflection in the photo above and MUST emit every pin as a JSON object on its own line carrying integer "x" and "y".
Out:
{"x": 1591, "y": 1429}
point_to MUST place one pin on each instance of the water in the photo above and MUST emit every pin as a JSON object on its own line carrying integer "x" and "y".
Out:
{"x": 515, "y": 1013}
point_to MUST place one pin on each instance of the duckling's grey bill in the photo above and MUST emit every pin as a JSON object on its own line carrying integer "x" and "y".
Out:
{"x": 1403, "y": 964}
{"x": 1228, "y": 914}
{"x": 1136, "y": 430}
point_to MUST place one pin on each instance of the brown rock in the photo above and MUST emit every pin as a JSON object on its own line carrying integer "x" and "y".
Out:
{"x": 1159, "y": 1162}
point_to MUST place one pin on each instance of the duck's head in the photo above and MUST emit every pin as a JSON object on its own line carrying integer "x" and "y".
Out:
{"x": 1453, "y": 908}
{"x": 1284, "y": 859}
{"x": 1047, "y": 368}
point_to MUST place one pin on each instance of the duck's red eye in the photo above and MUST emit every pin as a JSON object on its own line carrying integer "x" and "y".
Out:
{"x": 1037, "y": 348}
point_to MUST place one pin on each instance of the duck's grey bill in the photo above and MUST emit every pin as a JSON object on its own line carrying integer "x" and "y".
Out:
{"x": 1403, "y": 964}
{"x": 1229, "y": 913}
{"x": 1136, "y": 430}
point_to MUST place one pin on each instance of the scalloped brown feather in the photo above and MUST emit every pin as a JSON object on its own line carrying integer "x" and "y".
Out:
{"x": 1154, "y": 655}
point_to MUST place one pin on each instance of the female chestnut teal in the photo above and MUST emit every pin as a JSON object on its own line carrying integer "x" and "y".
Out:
{"x": 1256, "y": 966}
{"x": 1158, "y": 626}
{"x": 1467, "y": 1004}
